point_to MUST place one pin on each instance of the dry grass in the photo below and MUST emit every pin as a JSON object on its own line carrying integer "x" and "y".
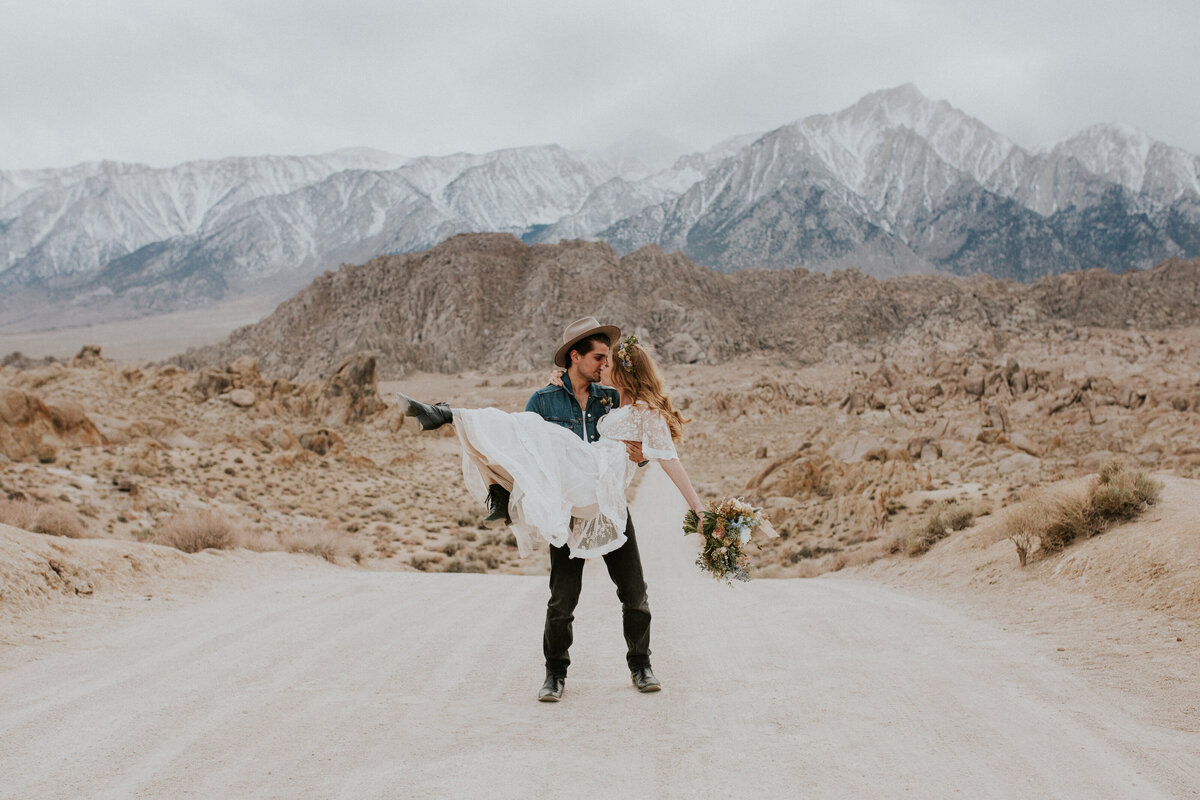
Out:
{"x": 198, "y": 529}
{"x": 940, "y": 520}
{"x": 324, "y": 540}
{"x": 52, "y": 520}
{"x": 1050, "y": 522}
{"x": 1121, "y": 492}
{"x": 1023, "y": 524}
{"x": 1070, "y": 515}
{"x": 18, "y": 513}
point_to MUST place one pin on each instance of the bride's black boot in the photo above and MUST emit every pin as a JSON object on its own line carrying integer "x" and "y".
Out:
{"x": 428, "y": 416}
{"x": 497, "y": 501}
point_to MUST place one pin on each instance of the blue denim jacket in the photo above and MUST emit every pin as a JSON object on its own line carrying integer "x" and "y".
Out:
{"x": 557, "y": 404}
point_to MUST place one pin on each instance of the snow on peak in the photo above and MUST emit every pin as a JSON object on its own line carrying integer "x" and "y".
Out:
{"x": 850, "y": 140}
{"x": 1114, "y": 151}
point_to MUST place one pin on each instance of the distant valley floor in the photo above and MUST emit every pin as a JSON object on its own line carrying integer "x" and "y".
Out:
{"x": 146, "y": 339}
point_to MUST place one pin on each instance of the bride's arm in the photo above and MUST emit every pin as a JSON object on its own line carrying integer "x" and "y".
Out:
{"x": 678, "y": 475}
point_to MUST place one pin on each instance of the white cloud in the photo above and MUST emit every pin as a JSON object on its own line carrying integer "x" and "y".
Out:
{"x": 166, "y": 82}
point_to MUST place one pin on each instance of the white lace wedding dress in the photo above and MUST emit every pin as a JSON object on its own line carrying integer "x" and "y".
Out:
{"x": 564, "y": 490}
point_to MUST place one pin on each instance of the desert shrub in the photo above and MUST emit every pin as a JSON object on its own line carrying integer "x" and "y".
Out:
{"x": 323, "y": 540}
{"x": 459, "y": 565}
{"x": 1052, "y": 522}
{"x": 1121, "y": 492}
{"x": 58, "y": 521}
{"x": 18, "y": 513}
{"x": 451, "y": 547}
{"x": 919, "y": 541}
{"x": 198, "y": 529}
{"x": 1069, "y": 515}
{"x": 1023, "y": 525}
{"x": 806, "y": 551}
{"x": 423, "y": 562}
{"x": 940, "y": 518}
{"x": 959, "y": 517}
{"x": 258, "y": 540}
{"x": 52, "y": 520}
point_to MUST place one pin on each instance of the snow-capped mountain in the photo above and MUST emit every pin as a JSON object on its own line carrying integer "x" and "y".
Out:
{"x": 899, "y": 183}
{"x": 895, "y": 183}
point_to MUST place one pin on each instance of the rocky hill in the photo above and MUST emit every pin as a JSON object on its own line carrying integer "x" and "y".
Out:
{"x": 489, "y": 302}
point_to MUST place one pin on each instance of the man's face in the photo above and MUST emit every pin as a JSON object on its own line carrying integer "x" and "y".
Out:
{"x": 592, "y": 364}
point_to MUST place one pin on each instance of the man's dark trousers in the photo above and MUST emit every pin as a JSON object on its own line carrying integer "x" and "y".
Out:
{"x": 566, "y": 580}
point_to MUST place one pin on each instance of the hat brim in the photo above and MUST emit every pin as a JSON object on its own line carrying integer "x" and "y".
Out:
{"x": 612, "y": 331}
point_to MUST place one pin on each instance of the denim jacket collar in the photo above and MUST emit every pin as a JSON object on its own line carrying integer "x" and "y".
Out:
{"x": 593, "y": 387}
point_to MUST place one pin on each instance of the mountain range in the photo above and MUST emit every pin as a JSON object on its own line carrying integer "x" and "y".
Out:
{"x": 895, "y": 184}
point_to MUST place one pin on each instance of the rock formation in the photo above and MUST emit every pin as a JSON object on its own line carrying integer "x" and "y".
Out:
{"x": 488, "y": 302}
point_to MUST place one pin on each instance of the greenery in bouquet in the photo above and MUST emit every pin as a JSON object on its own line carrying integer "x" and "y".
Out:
{"x": 726, "y": 527}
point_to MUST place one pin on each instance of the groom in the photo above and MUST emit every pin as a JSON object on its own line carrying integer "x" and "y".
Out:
{"x": 577, "y": 405}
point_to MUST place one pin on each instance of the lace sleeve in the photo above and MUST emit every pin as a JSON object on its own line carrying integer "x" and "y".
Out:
{"x": 656, "y": 435}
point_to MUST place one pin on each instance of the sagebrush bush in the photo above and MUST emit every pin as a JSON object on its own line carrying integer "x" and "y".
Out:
{"x": 1121, "y": 492}
{"x": 941, "y": 518}
{"x": 198, "y": 529}
{"x": 1051, "y": 522}
{"x": 18, "y": 513}
{"x": 959, "y": 517}
{"x": 58, "y": 521}
{"x": 1071, "y": 515}
{"x": 324, "y": 540}
{"x": 1023, "y": 525}
{"x": 460, "y": 565}
{"x": 52, "y": 520}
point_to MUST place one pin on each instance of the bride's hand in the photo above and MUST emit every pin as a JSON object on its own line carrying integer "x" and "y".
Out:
{"x": 555, "y": 379}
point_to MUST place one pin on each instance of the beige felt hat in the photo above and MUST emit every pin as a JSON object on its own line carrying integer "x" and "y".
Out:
{"x": 581, "y": 329}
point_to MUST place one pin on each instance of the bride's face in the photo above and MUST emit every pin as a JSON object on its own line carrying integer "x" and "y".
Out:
{"x": 606, "y": 372}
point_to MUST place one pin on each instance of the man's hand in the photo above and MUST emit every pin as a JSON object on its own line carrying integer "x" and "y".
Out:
{"x": 635, "y": 452}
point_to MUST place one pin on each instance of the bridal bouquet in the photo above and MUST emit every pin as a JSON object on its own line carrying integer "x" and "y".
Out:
{"x": 726, "y": 527}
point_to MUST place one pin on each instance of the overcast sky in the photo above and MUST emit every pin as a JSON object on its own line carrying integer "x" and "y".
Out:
{"x": 165, "y": 81}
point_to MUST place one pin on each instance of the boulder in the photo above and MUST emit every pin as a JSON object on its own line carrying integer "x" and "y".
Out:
{"x": 974, "y": 386}
{"x": 1017, "y": 462}
{"x": 275, "y": 436}
{"x": 322, "y": 442}
{"x": 31, "y": 428}
{"x": 997, "y": 414}
{"x": 212, "y": 383}
{"x": 242, "y": 398}
{"x": 351, "y": 394}
{"x": 855, "y": 447}
{"x": 682, "y": 348}
{"x": 244, "y": 372}
{"x": 1023, "y": 443}
{"x": 88, "y": 356}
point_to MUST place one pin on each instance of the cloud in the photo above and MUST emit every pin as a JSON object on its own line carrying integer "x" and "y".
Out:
{"x": 166, "y": 82}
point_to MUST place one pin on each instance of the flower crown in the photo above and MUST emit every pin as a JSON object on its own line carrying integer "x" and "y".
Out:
{"x": 623, "y": 356}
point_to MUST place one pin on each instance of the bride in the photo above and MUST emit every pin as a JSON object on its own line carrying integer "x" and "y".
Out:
{"x": 560, "y": 488}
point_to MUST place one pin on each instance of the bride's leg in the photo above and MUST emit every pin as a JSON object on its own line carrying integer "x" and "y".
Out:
{"x": 498, "y": 480}
{"x": 489, "y": 472}
{"x": 429, "y": 416}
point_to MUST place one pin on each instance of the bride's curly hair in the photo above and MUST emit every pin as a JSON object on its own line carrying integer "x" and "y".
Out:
{"x": 636, "y": 375}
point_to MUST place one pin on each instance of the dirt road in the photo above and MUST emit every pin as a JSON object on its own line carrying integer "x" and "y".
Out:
{"x": 342, "y": 684}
